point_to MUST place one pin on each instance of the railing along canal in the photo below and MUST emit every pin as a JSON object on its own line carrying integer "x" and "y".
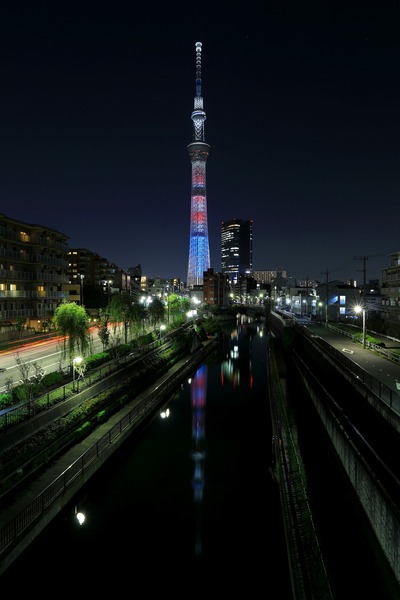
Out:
{"x": 33, "y": 511}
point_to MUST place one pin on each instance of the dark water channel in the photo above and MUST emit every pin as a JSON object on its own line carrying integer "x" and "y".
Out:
{"x": 188, "y": 505}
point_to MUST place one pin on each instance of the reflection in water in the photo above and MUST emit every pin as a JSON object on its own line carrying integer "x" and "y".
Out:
{"x": 198, "y": 399}
{"x": 237, "y": 366}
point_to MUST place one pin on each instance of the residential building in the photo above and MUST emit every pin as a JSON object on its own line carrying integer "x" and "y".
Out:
{"x": 275, "y": 277}
{"x": 339, "y": 300}
{"x": 390, "y": 290}
{"x": 89, "y": 269}
{"x": 32, "y": 274}
{"x": 215, "y": 288}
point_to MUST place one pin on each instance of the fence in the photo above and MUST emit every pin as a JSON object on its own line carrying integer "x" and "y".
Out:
{"x": 375, "y": 386}
{"x": 20, "y": 413}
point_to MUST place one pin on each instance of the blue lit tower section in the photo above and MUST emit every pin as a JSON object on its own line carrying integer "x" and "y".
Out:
{"x": 199, "y": 250}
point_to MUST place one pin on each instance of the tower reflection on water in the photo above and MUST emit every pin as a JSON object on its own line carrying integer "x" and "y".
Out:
{"x": 236, "y": 371}
{"x": 198, "y": 399}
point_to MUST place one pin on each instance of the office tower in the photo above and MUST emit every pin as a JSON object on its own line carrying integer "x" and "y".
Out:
{"x": 199, "y": 251}
{"x": 236, "y": 248}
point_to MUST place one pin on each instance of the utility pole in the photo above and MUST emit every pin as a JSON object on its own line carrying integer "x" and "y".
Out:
{"x": 307, "y": 296}
{"x": 364, "y": 270}
{"x": 326, "y": 301}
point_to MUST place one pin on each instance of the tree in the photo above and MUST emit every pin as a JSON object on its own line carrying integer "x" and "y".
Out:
{"x": 102, "y": 326}
{"x": 119, "y": 307}
{"x": 156, "y": 312}
{"x": 28, "y": 380}
{"x": 72, "y": 322}
{"x": 124, "y": 310}
{"x": 177, "y": 307}
{"x": 138, "y": 313}
{"x": 20, "y": 324}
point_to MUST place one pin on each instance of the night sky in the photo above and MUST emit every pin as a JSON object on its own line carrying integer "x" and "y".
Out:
{"x": 302, "y": 104}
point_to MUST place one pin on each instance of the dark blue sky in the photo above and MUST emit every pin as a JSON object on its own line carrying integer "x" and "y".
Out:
{"x": 302, "y": 105}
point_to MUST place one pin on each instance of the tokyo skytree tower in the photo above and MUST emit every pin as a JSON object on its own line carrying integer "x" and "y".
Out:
{"x": 199, "y": 251}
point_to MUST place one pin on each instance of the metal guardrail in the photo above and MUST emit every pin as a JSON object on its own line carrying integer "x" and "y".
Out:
{"x": 390, "y": 355}
{"x": 19, "y": 524}
{"x": 382, "y": 391}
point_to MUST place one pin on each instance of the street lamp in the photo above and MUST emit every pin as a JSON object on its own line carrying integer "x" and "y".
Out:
{"x": 126, "y": 319}
{"x": 162, "y": 327}
{"x": 359, "y": 309}
{"x": 82, "y": 278}
{"x": 320, "y": 305}
{"x": 76, "y": 361}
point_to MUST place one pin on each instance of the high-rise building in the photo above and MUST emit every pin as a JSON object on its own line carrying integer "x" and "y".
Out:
{"x": 199, "y": 250}
{"x": 236, "y": 248}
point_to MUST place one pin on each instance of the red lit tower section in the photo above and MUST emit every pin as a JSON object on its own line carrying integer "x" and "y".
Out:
{"x": 199, "y": 249}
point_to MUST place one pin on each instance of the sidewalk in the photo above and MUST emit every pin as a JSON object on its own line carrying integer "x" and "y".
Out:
{"x": 381, "y": 367}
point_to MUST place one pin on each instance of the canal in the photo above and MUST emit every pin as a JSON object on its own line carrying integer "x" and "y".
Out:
{"x": 188, "y": 504}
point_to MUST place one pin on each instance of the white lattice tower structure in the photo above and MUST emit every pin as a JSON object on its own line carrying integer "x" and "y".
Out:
{"x": 199, "y": 250}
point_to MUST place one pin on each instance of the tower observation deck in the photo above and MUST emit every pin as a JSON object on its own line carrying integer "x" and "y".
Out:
{"x": 199, "y": 251}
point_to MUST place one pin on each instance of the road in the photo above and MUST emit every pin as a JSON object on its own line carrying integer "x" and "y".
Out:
{"x": 48, "y": 353}
{"x": 381, "y": 368}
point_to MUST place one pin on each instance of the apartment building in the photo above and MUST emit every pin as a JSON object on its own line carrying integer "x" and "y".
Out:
{"x": 32, "y": 274}
{"x": 215, "y": 288}
{"x": 390, "y": 290}
{"x": 89, "y": 270}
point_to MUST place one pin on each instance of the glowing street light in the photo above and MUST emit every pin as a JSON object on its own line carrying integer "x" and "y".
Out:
{"x": 162, "y": 327}
{"x": 358, "y": 309}
{"x": 75, "y": 363}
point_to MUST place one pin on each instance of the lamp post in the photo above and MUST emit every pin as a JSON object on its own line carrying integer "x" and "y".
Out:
{"x": 359, "y": 309}
{"x": 125, "y": 311}
{"x": 76, "y": 361}
{"x": 82, "y": 278}
{"x": 166, "y": 302}
{"x": 162, "y": 327}
{"x": 320, "y": 305}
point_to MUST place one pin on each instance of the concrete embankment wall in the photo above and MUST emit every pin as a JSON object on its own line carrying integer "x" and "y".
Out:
{"x": 382, "y": 514}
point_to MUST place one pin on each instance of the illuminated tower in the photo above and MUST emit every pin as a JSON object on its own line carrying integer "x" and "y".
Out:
{"x": 199, "y": 251}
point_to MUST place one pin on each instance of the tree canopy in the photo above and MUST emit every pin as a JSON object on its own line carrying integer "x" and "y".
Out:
{"x": 72, "y": 322}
